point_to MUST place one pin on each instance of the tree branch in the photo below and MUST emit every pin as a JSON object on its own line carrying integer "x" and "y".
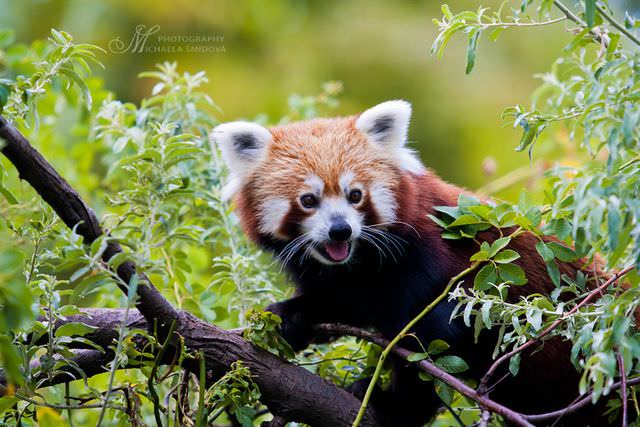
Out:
{"x": 595, "y": 292}
{"x": 107, "y": 321}
{"x": 288, "y": 390}
{"x": 74, "y": 212}
{"x": 481, "y": 399}
{"x": 508, "y": 414}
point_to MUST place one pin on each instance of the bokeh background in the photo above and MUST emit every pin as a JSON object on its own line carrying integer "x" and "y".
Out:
{"x": 378, "y": 49}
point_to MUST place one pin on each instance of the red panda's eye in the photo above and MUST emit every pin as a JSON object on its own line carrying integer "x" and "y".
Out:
{"x": 355, "y": 196}
{"x": 309, "y": 201}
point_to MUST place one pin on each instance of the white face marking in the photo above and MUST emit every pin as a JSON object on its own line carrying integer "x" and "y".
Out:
{"x": 346, "y": 181}
{"x": 384, "y": 202}
{"x": 315, "y": 184}
{"x": 272, "y": 213}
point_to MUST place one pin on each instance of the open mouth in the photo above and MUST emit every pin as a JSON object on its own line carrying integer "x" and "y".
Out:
{"x": 335, "y": 251}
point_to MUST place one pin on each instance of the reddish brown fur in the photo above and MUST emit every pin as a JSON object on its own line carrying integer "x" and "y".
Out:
{"x": 328, "y": 148}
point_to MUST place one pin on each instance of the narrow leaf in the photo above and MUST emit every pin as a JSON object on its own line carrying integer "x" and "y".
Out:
{"x": 472, "y": 48}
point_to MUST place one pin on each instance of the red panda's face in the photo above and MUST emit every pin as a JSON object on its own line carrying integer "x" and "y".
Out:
{"x": 323, "y": 185}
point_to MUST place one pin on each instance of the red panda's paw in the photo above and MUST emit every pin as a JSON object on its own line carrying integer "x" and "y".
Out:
{"x": 295, "y": 328}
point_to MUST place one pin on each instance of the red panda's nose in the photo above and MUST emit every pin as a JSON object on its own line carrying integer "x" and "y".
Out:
{"x": 340, "y": 230}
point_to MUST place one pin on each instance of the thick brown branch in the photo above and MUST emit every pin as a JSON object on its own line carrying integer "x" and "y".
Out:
{"x": 74, "y": 212}
{"x": 107, "y": 321}
{"x": 288, "y": 390}
{"x": 91, "y": 362}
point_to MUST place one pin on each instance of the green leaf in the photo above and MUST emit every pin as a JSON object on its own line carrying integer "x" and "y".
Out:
{"x": 425, "y": 376}
{"x": 554, "y": 272}
{"x": 485, "y": 311}
{"x": 451, "y": 364}
{"x": 506, "y": 256}
{"x": 545, "y": 252}
{"x": 613, "y": 226}
{"x": 416, "y": 357}
{"x": 10, "y": 361}
{"x": 437, "y": 347}
{"x": 4, "y": 97}
{"x": 486, "y": 277}
{"x": 8, "y": 195}
{"x": 498, "y": 245}
{"x": 493, "y": 36}
{"x": 562, "y": 252}
{"x": 534, "y": 215}
{"x": 590, "y": 12}
{"x": 7, "y": 37}
{"x": 7, "y": 402}
{"x": 466, "y": 201}
{"x": 444, "y": 391}
{"x": 438, "y": 221}
{"x": 480, "y": 256}
{"x": 514, "y": 364}
{"x": 482, "y": 211}
{"x": 74, "y": 329}
{"x": 534, "y": 317}
{"x": 465, "y": 220}
{"x": 472, "y": 49}
{"x": 512, "y": 273}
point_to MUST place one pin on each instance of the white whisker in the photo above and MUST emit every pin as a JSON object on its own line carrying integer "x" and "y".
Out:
{"x": 292, "y": 248}
{"x": 382, "y": 224}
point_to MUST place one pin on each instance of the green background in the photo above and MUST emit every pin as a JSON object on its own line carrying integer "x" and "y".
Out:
{"x": 380, "y": 50}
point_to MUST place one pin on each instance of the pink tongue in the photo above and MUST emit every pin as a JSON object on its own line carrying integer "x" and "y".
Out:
{"x": 338, "y": 251}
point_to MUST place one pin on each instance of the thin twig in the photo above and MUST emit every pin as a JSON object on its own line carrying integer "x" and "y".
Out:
{"x": 402, "y": 333}
{"x": 65, "y": 407}
{"x": 617, "y": 24}
{"x": 202, "y": 378}
{"x": 572, "y": 16}
{"x": 68, "y": 402}
{"x": 578, "y": 404}
{"x": 116, "y": 357}
{"x": 485, "y": 26}
{"x": 484, "y": 381}
{"x": 623, "y": 388}
{"x": 514, "y": 417}
{"x": 154, "y": 370}
{"x": 481, "y": 399}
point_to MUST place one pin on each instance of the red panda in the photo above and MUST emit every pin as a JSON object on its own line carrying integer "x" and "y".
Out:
{"x": 344, "y": 204}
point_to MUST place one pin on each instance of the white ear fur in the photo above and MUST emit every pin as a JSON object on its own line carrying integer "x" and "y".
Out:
{"x": 243, "y": 145}
{"x": 387, "y": 125}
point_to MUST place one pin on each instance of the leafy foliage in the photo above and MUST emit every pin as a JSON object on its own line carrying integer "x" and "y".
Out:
{"x": 152, "y": 171}
{"x": 591, "y": 207}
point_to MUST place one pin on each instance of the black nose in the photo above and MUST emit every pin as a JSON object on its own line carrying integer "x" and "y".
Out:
{"x": 340, "y": 230}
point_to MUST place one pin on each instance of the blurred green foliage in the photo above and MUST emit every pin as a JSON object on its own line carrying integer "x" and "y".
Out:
{"x": 378, "y": 49}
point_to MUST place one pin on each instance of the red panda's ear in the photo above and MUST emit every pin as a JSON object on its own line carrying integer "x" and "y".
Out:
{"x": 243, "y": 145}
{"x": 387, "y": 125}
